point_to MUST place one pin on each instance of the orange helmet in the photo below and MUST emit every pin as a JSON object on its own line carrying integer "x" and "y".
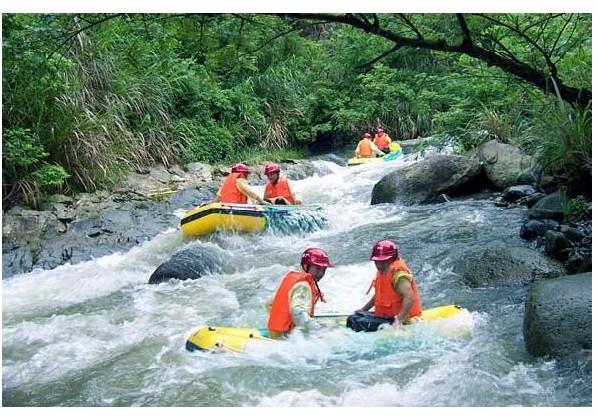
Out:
{"x": 271, "y": 168}
{"x": 315, "y": 256}
{"x": 385, "y": 250}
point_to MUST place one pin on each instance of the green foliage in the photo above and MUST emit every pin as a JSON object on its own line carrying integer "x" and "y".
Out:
{"x": 50, "y": 177}
{"x": 564, "y": 143}
{"x": 133, "y": 90}
{"x": 21, "y": 151}
{"x": 577, "y": 209}
{"x": 211, "y": 143}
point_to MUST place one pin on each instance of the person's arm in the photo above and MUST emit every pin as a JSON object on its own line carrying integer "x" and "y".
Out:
{"x": 244, "y": 188}
{"x": 375, "y": 150}
{"x": 368, "y": 305}
{"x": 300, "y": 306}
{"x": 403, "y": 288}
{"x": 218, "y": 194}
{"x": 357, "y": 151}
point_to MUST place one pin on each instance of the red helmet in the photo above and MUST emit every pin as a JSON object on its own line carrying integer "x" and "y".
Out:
{"x": 240, "y": 168}
{"x": 367, "y": 135}
{"x": 315, "y": 256}
{"x": 384, "y": 250}
{"x": 271, "y": 168}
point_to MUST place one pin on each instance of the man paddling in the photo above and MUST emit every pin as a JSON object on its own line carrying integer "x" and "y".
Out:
{"x": 295, "y": 300}
{"x": 396, "y": 299}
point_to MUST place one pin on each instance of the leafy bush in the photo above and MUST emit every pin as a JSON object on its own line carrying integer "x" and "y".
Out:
{"x": 50, "y": 176}
{"x": 210, "y": 143}
{"x": 577, "y": 209}
{"x": 21, "y": 152}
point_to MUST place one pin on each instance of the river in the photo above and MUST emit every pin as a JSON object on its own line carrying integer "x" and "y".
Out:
{"x": 96, "y": 334}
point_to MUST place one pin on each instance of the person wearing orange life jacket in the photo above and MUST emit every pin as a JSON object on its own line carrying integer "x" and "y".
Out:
{"x": 382, "y": 140}
{"x": 396, "y": 299}
{"x": 278, "y": 189}
{"x": 366, "y": 148}
{"x": 235, "y": 188}
{"x": 294, "y": 301}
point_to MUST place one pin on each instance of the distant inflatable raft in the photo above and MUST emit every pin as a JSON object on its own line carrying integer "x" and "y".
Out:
{"x": 212, "y": 217}
{"x": 395, "y": 151}
{"x": 231, "y": 339}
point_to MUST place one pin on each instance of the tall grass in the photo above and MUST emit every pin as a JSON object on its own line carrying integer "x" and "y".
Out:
{"x": 112, "y": 120}
{"x": 565, "y": 145}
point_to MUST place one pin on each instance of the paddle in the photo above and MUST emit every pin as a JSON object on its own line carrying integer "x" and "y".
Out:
{"x": 335, "y": 315}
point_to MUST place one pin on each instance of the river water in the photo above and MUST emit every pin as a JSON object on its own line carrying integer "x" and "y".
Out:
{"x": 96, "y": 334}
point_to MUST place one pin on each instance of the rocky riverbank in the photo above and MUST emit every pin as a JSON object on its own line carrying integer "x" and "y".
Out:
{"x": 72, "y": 229}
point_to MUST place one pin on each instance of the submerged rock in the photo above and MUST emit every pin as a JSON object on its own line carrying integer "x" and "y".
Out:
{"x": 506, "y": 266}
{"x": 188, "y": 264}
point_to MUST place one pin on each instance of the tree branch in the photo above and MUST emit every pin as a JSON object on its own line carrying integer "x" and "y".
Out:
{"x": 379, "y": 57}
{"x": 523, "y": 71}
{"x": 411, "y": 26}
{"x": 467, "y": 42}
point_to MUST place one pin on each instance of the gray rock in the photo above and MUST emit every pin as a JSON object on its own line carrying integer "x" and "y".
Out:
{"x": 501, "y": 266}
{"x": 16, "y": 261}
{"x": 572, "y": 234}
{"x": 189, "y": 198}
{"x": 513, "y": 193}
{"x": 558, "y": 316}
{"x": 60, "y": 198}
{"x": 410, "y": 145}
{"x": 506, "y": 165}
{"x": 426, "y": 180}
{"x": 534, "y": 228}
{"x": 579, "y": 260}
{"x": 201, "y": 171}
{"x": 549, "y": 207}
{"x": 530, "y": 200}
{"x": 556, "y": 244}
{"x": 187, "y": 264}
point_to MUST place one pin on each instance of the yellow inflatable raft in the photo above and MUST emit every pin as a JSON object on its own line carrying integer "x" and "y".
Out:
{"x": 395, "y": 151}
{"x": 213, "y": 217}
{"x": 220, "y": 339}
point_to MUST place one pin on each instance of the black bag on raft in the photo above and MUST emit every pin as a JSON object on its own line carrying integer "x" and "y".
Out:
{"x": 366, "y": 321}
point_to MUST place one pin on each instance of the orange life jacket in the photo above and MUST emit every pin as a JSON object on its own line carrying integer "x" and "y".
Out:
{"x": 387, "y": 302}
{"x": 280, "y": 189}
{"x": 280, "y": 319}
{"x": 364, "y": 149}
{"x": 382, "y": 142}
{"x": 229, "y": 193}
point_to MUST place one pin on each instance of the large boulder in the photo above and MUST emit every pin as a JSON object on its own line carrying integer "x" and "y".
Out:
{"x": 558, "y": 316}
{"x": 506, "y": 266}
{"x": 410, "y": 145}
{"x": 506, "y": 165}
{"x": 103, "y": 224}
{"x": 426, "y": 180}
{"x": 549, "y": 207}
{"x": 187, "y": 264}
{"x": 24, "y": 233}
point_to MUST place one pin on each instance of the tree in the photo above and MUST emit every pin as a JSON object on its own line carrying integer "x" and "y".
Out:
{"x": 529, "y": 47}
